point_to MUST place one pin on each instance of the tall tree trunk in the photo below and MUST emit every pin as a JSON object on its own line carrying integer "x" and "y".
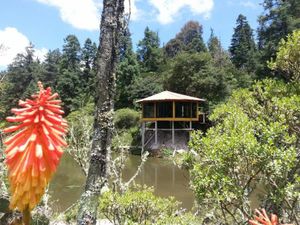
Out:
{"x": 110, "y": 28}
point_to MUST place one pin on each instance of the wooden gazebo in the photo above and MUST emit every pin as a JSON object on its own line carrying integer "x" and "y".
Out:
{"x": 171, "y": 108}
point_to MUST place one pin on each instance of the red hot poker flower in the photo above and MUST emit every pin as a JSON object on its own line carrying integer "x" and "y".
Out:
{"x": 262, "y": 218}
{"x": 34, "y": 151}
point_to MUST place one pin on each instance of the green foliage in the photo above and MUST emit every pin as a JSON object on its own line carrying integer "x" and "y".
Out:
{"x": 253, "y": 144}
{"x": 69, "y": 73}
{"x": 127, "y": 128}
{"x": 173, "y": 47}
{"x": 87, "y": 77}
{"x": 71, "y": 214}
{"x": 20, "y": 80}
{"x": 148, "y": 52}
{"x": 278, "y": 20}
{"x": 142, "y": 207}
{"x": 288, "y": 57}
{"x": 189, "y": 39}
{"x": 87, "y": 110}
{"x": 145, "y": 85}
{"x": 242, "y": 48}
{"x": 69, "y": 84}
{"x": 122, "y": 139}
{"x": 51, "y": 68}
{"x": 167, "y": 152}
{"x": 126, "y": 118}
{"x": 198, "y": 74}
{"x": 216, "y": 50}
{"x": 76, "y": 119}
{"x": 127, "y": 71}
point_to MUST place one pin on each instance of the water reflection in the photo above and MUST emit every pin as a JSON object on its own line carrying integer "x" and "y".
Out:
{"x": 67, "y": 184}
{"x": 166, "y": 178}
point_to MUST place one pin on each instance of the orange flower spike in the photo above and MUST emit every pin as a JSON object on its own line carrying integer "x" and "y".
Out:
{"x": 34, "y": 151}
{"x": 263, "y": 219}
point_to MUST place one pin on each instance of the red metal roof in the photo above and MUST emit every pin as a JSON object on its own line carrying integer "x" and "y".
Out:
{"x": 169, "y": 96}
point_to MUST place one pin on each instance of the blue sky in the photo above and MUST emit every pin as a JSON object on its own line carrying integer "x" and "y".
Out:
{"x": 46, "y": 23}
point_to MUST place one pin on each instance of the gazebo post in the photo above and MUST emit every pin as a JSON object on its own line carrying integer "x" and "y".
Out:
{"x": 143, "y": 136}
{"x": 191, "y": 128}
{"x": 155, "y": 132}
{"x": 173, "y": 133}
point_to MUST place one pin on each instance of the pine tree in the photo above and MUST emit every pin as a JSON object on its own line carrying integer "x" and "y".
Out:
{"x": 69, "y": 83}
{"x": 51, "y": 68}
{"x": 173, "y": 47}
{"x": 243, "y": 48}
{"x": 71, "y": 53}
{"x": 191, "y": 37}
{"x": 219, "y": 55}
{"x": 21, "y": 78}
{"x": 188, "y": 39}
{"x": 87, "y": 78}
{"x": 127, "y": 71}
{"x": 279, "y": 19}
{"x": 149, "y": 53}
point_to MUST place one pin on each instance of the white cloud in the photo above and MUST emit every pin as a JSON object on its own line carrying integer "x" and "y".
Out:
{"x": 81, "y": 14}
{"x": 85, "y": 14}
{"x": 249, "y": 4}
{"x": 40, "y": 53}
{"x": 135, "y": 13}
{"x": 13, "y": 43}
{"x": 168, "y": 9}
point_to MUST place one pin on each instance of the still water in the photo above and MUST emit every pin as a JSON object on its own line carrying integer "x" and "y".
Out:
{"x": 161, "y": 174}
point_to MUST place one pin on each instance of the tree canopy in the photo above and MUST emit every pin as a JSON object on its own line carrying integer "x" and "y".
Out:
{"x": 252, "y": 148}
{"x": 243, "y": 47}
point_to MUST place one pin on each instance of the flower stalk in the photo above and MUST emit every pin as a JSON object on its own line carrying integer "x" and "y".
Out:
{"x": 26, "y": 216}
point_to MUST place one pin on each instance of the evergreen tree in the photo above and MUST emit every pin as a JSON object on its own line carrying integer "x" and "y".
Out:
{"x": 20, "y": 78}
{"x": 242, "y": 48}
{"x": 219, "y": 55}
{"x": 89, "y": 52}
{"x": 280, "y": 18}
{"x": 71, "y": 53}
{"x": 191, "y": 37}
{"x": 127, "y": 71}
{"x": 288, "y": 57}
{"x": 188, "y": 39}
{"x": 148, "y": 52}
{"x": 196, "y": 74}
{"x": 51, "y": 67}
{"x": 69, "y": 83}
{"x": 173, "y": 47}
{"x": 214, "y": 44}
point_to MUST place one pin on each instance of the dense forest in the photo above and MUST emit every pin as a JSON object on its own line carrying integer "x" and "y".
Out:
{"x": 184, "y": 64}
{"x": 253, "y": 92}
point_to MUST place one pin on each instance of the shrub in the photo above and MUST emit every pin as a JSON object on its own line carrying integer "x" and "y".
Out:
{"x": 254, "y": 143}
{"x": 126, "y": 118}
{"x": 142, "y": 207}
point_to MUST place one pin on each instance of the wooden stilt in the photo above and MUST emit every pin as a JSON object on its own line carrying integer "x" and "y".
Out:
{"x": 173, "y": 133}
{"x": 143, "y": 136}
{"x": 155, "y": 132}
{"x": 191, "y": 127}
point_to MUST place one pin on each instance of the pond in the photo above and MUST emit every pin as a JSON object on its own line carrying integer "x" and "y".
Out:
{"x": 161, "y": 174}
